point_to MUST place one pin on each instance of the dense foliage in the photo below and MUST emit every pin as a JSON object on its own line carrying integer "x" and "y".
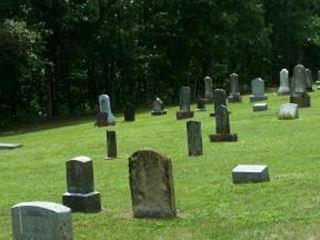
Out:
{"x": 57, "y": 56}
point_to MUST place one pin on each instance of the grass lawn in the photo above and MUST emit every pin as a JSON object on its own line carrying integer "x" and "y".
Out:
{"x": 209, "y": 205}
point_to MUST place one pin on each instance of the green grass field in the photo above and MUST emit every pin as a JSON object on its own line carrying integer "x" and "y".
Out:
{"x": 209, "y": 205}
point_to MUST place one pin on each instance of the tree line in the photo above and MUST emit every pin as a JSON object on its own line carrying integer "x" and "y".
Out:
{"x": 57, "y": 56}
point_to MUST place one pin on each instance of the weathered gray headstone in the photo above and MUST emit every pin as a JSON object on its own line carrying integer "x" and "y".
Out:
{"x": 298, "y": 93}
{"x": 81, "y": 196}
{"x": 250, "y": 174}
{"x": 219, "y": 98}
{"x": 309, "y": 81}
{"x": 129, "y": 113}
{"x": 208, "y": 88}
{"x": 185, "y": 103}
{"x": 194, "y": 138}
{"x": 158, "y": 108}
{"x": 234, "y": 89}
{"x": 111, "y": 144}
{"x": 105, "y": 116}
{"x": 223, "y": 133}
{"x": 288, "y": 111}
{"x": 4, "y": 146}
{"x": 41, "y": 221}
{"x": 151, "y": 185}
{"x": 258, "y": 90}
{"x": 259, "y": 107}
{"x": 284, "y": 88}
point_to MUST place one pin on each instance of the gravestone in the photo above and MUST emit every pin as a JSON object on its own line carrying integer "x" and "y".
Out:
{"x": 5, "y": 146}
{"x": 284, "y": 88}
{"x": 185, "y": 102}
{"x": 201, "y": 104}
{"x": 250, "y": 174}
{"x": 111, "y": 145}
{"x": 194, "y": 138}
{"x": 223, "y": 133}
{"x": 219, "y": 98}
{"x": 158, "y": 108}
{"x": 234, "y": 89}
{"x": 151, "y": 185}
{"x": 258, "y": 90}
{"x": 309, "y": 81}
{"x": 105, "y": 116}
{"x": 298, "y": 93}
{"x": 288, "y": 111}
{"x": 81, "y": 196}
{"x": 41, "y": 221}
{"x": 317, "y": 83}
{"x": 259, "y": 107}
{"x": 208, "y": 87}
{"x": 129, "y": 113}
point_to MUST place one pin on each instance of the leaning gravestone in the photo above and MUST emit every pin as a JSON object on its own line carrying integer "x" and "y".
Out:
{"x": 258, "y": 90}
{"x": 151, "y": 185}
{"x": 194, "y": 138}
{"x": 309, "y": 81}
{"x": 284, "y": 88}
{"x": 185, "y": 102}
{"x": 223, "y": 133}
{"x": 81, "y": 196}
{"x": 129, "y": 113}
{"x": 208, "y": 87}
{"x": 41, "y": 221}
{"x": 234, "y": 89}
{"x": 298, "y": 93}
{"x": 105, "y": 116}
{"x": 250, "y": 174}
{"x": 158, "y": 108}
{"x": 219, "y": 98}
{"x": 288, "y": 111}
{"x": 5, "y": 146}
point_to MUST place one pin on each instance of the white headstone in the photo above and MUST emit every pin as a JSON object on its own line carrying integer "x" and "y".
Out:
{"x": 208, "y": 87}
{"x": 288, "y": 111}
{"x": 105, "y": 107}
{"x": 284, "y": 82}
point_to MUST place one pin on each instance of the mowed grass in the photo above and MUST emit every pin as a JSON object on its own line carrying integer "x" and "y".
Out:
{"x": 209, "y": 205}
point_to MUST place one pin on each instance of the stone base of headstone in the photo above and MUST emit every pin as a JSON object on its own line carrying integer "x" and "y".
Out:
{"x": 158, "y": 113}
{"x": 223, "y": 138}
{"x": 258, "y": 98}
{"x": 214, "y": 114}
{"x": 102, "y": 120}
{"x": 259, "y": 107}
{"x": 283, "y": 92}
{"x": 235, "y": 99}
{"x": 302, "y": 100}
{"x": 10, "y": 145}
{"x": 86, "y": 203}
{"x": 250, "y": 174}
{"x": 184, "y": 115}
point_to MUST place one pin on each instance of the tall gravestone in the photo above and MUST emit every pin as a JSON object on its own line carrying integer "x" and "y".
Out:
{"x": 219, "y": 97}
{"x": 41, "y": 221}
{"x": 234, "y": 89}
{"x": 309, "y": 81}
{"x": 223, "y": 133}
{"x": 185, "y": 104}
{"x": 105, "y": 116}
{"x": 111, "y": 145}
{"x": 151, "y": 185}
{"x": 284, "y": 88}
{"x": 258, "y": 90}
{"x": 81, "y": 196}
{"x": 298, "y": 92}
{"x": 208, "y": 88}
{"x": 129, "y": 112}
{"x": 194, "y": 138}
{"x": 158, "y": 108}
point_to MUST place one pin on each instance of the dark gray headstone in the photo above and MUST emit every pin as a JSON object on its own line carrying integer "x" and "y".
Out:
{"x": 129, "y": 113}
{"x": 194, "y": 138}
{"x": 185, "y": 104}
{"x": 151, "y": 185}
{"x": 111, "y": 144}
{"x": 41, "y": 221}
{"x": 309, "y": 80}
{"x": 201, "y": 104}
{"x": 298, "y": 93}
{"x": 158, "y": 108}
{"x": 81, "y": 196}
{"x": 250, "y": 174}
{"x": 234, "y": 89}
{"x": 219, "y": 98}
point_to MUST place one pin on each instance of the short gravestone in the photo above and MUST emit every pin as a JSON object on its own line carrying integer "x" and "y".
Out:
{"x": 151, "y": 185}
{"x": 111, "y": 145}
{"x": 250, "y": 174}
{"x": 158, "y": 108}
{"x": 284, "y": 88}
{"x": 129, "y": 113}
{"x": 41, "y": 221}
{"x": 5, "y": 146}
{"x": 309, "y": 81}
{"x": 298, "y": 93}
{"x": 185, "y": 104}
{"x": 194, "y": 138}
{"x": 81, "y": 196}
{"x": 219, "y": 98}
{"x": 288, "y": 111}
{"x": 259, "y": 107}
{"x": 234, "y": 95}
{"x": 208, "y": 88}
{"x": 223, "y": 133}
{"x": 201, "y": 104}
{"x": 258, "y": 90}
{"x": 105, "y": 116}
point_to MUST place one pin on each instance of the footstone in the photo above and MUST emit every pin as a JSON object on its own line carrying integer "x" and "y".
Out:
{"x": 10, "y": 145}
{"x": 258, "y": 90}
{"x": 41, "y": 221}
{"x": 194, "y": 138}
{"x": 151, "y": 185}
{"x": 288, "y": 111}
{"x": 234, "y": 89}
{"x": 258, "y": 107}
{"x": 111, "y": 144}
{"x": 250, "y": 174}
{"x": 158, "y": 108}
{"x": 81, "y": 196}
